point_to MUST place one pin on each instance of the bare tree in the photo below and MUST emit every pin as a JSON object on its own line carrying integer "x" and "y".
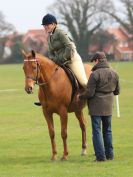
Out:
{"x": 123, "y": 16}
{"x": 5, "y": 27}
{"x": 82, "y": 18}
{"x": 101, "y": 39}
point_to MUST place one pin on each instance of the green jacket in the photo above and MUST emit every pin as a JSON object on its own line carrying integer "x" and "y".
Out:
{"x": 103, "y": 84}
{"x": 61, "y": 47}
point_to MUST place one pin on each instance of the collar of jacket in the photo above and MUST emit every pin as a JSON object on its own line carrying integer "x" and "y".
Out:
{"x": 51, "y": 33}
{"x": 101, "y": 64}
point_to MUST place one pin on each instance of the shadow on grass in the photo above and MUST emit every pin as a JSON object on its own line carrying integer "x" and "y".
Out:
{"x": 43, "y": 159}
{"x": 24, "y": 160}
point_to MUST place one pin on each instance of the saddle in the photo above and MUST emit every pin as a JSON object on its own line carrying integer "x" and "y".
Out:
{"x": 75, "y": 84}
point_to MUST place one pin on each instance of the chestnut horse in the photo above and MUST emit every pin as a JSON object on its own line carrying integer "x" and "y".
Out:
{"x": 55, "y": 92}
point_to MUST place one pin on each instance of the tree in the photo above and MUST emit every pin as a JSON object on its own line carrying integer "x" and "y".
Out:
{"x": 5, "y": 27}
{"x": 2, "y": 45}
{"x": 102, "y": 38}
{"x": 124, "y": 16}
{"x": 16, "y": 56}
{"x": 82, "y": 18}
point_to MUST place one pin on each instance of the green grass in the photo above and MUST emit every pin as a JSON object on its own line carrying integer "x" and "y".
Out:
{"x": 25, "y": 148}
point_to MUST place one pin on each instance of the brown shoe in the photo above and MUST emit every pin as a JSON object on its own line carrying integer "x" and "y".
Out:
{"x": 99, "y": 160}
{"x": 110, "y": 158}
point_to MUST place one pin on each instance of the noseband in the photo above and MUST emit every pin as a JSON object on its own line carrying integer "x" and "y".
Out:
{"x": 38, "y": 69}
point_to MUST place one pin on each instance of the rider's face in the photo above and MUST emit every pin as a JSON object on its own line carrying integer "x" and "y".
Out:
{"x": 49, "y": 28}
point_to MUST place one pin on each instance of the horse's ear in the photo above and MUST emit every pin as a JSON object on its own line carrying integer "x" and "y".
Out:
{"x": 33, "y": 53}
{"x": 23, "y": 53}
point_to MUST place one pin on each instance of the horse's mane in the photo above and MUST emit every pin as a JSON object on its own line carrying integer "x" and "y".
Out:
{"x": 44, "y": 58}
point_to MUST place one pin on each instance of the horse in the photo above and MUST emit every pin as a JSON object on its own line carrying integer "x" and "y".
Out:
{"x": 55, "y": 90}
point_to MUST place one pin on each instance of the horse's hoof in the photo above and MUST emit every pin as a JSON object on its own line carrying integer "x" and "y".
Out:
{"x": 83, "y": 152}
{"x": 64, "y": 158}
{"x": 53, "y": 158}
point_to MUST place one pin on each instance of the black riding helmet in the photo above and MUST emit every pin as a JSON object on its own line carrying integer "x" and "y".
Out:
{"x": 49, "y": 19}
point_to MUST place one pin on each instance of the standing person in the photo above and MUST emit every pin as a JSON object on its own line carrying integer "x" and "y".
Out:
{"x": 62, "y": 49}
{"x": 103, "y": 84}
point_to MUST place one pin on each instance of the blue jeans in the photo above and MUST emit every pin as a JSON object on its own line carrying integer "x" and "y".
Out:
{"x": 102, "y": 141}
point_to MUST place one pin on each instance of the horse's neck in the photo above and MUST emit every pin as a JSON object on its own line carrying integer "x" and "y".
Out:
{"x": 44, "y": 60}
{"x": 47, "y": 67}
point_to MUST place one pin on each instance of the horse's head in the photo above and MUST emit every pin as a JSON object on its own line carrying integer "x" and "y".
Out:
{"x": 31, "y": 70}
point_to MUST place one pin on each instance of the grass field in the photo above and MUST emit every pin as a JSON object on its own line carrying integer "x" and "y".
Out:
{"x": 25, "y": 148}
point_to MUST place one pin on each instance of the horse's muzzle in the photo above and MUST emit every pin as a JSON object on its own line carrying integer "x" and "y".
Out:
{"x": 29, "y": 90}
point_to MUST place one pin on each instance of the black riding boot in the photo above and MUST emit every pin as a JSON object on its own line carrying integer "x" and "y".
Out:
{"x": 37, "y": 103}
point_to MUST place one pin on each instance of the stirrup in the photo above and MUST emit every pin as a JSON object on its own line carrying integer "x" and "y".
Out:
{"x": 37, "y": 103}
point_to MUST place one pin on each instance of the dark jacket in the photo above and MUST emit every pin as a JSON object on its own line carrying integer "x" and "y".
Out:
{"x": 103, "y": 84}
{"x": 61, "y": 46}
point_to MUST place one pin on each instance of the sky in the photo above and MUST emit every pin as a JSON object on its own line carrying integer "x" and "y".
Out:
{"x": 25, "y": 14}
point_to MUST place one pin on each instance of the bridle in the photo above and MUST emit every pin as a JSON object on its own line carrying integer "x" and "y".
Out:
{"x": 38, "y": 68}
{"x": 37, "y": 73}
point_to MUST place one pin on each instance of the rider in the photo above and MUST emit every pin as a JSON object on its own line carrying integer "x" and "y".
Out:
{"x": 62, "y": 49}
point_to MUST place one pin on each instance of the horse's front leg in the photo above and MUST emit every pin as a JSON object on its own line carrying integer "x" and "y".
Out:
{"x": 50, "y": 123}
{"x": 80, "y": 116}
{"x": 64, "y": 120}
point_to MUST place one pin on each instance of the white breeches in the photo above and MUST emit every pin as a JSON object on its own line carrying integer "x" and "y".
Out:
{"x": 77, "y": 67}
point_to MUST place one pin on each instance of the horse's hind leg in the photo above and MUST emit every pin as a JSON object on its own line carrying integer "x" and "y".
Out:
{"x": 80, "y": 116}
{"x": 50, "y": 123}
{"x": 64, "y": 119}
